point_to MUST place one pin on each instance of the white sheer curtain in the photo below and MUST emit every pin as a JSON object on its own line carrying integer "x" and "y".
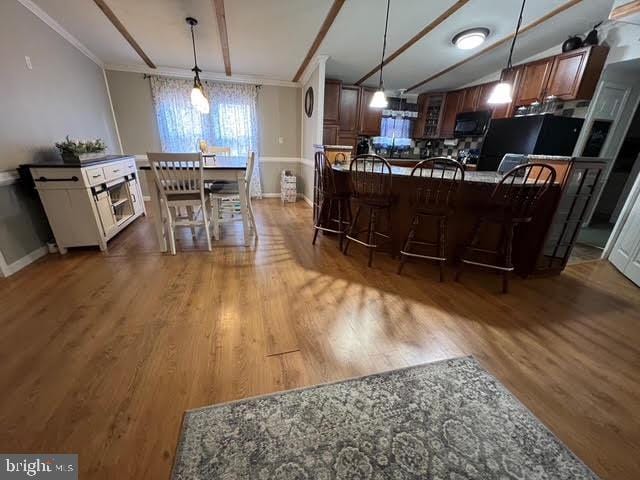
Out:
{"x": 232, "y": 121}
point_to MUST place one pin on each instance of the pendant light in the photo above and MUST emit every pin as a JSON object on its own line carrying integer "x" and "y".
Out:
{"x": 379, "y": 99}
{"x": 198, "y": 99}
{"x": 503, "y": 92}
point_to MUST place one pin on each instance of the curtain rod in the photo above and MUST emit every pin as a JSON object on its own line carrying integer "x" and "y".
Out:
{"x": 146, "y": 75}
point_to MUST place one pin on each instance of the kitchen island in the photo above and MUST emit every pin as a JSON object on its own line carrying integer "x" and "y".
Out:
{"x": 539, "y": 247}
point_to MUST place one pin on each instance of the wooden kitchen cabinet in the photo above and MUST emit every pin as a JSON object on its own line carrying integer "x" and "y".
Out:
{"x": 486, "y": 89}
{"x": 452, "y": 104}
{"x": 533, "y": 83}
{"x": 512, "y": 76}
{"x": 470, "y": 100}
{"x": 370, "y": 118}
{"x": 330, "y": 135}
{"x": 575, "y": 74}
{"x": 349, "y": 109}
{"x": 332, "y": 91}
{"x": 430, "y": 110}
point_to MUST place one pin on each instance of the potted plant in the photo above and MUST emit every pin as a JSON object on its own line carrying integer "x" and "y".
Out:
{"x": 78, "y": 151}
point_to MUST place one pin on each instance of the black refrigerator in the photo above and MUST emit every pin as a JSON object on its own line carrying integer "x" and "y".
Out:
{"x": 535, "y": 134}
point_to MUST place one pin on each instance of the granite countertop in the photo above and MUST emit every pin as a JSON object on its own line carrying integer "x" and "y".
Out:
{"x": 469, "y": 176}
{"x": 58, "y": 163}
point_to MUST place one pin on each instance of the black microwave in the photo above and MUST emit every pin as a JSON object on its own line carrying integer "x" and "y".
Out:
{"x": 471, "y": 124}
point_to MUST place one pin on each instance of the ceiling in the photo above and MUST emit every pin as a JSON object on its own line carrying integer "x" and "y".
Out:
{"x": 270, "y": 38}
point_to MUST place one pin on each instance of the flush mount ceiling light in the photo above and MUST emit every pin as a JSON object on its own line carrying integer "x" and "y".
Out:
{"x": 198, "y": 99}
{"x": 468, "y": 39}
{"x": 379, "y": 99}
{"x": 503, "y": 91}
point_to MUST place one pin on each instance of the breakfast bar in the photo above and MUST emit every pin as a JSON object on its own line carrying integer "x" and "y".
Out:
{"x": 532, "y": 251}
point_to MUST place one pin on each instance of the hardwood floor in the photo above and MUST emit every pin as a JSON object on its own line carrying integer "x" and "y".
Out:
{"x": 102, "y": 353}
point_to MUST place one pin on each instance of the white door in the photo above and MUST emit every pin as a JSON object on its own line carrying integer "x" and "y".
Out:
{"x": 626, "y": 251}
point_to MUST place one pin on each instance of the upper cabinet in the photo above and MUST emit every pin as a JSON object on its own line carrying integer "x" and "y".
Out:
{"x": 430, "y": 110}
{"x": 332, "y": 90}
{"x": 370, "y": 118}
{"x": 347, "y": 113}
{"x": 349, "y": 109}
{"x": 470, "y": 99}
{"x": 483, "y": 97}
{"x": 533, "y": 84}
{"x": 569, "y": 76}
{"x": 453, "y": 102}
{"x": 513, "y": 77}
{"x": 575, "y": 74}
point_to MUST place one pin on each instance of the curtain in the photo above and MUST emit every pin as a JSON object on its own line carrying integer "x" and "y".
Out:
{"x": 396, "y": 127}
{"x": 232, "y": 120}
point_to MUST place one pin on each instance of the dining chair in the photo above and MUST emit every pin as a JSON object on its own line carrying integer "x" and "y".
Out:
{"x": 225, "y": 201}
{"x": 179, "y": 179}
{"x": 331, "y": 199}
{"x": 371, "y": 188}
{"x": 512, "y": 204}
{"x": 437, "y": 184}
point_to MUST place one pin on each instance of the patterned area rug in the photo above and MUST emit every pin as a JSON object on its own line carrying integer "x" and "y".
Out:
{"x": 448, "y": 420}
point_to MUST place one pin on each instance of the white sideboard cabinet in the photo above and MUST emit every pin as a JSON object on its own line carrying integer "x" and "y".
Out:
{"x": 89, "y": 204}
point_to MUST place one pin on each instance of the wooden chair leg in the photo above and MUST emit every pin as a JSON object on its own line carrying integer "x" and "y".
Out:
{"x": 352, "y": 227}
{"x": 340, "y": 226}
{"x": 318, "y": 221}
{"x": 442, "y": 247}
{"x": 474, "y": 238}
{"x": 407, "y": 243}
{"x": 372, "y": 235}
{"x": 507, "y": 257}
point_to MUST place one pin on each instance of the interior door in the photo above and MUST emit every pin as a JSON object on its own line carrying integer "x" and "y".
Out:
{"x": 626, "y": 251}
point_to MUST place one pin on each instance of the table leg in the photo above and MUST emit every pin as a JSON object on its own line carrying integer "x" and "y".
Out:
{"x": 242, "y": 190}
{"x": 158, "y": 217}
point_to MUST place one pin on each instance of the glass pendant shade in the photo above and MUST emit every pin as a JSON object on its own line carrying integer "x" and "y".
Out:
{"x": 501, "y": 94}
{"x": 196, "y": 96}
{"x": 379, "y": 100}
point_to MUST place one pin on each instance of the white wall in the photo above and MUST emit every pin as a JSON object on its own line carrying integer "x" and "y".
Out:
{"x": 312, "y": 126}
{"x": 64, "y": 93}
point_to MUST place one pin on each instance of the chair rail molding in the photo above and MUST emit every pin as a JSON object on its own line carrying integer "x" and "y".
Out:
{"x": 8, "y": 177}
{"x": 280, "y": 160}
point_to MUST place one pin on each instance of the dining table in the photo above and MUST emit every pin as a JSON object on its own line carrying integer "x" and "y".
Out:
{"x": 216, "y": 168}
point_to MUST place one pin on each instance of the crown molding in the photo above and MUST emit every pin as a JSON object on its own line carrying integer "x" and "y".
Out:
{"x": 44, "y": 16}
{"x": 218, "y": 77}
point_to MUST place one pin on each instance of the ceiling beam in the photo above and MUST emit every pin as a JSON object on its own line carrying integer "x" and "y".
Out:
{"x": 102, "y": 5}
{"x": 497, "y": 44}
{"x": 218, "y": 7}
{"x": 447, "y": 13}
{"x": 324, "y": 28}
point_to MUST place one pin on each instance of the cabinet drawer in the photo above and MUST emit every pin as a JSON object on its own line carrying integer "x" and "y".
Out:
{"x": 115, "y": 170}
{"x": 95, "y": 176}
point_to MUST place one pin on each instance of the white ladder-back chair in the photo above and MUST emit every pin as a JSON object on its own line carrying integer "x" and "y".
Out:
{"x": 225, "y": 202}
{"x": 223, "y": 151}
{"x": 179, "y": 178}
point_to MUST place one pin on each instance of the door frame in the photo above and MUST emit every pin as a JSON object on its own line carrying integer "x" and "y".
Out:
{"x": 634, "y": 195}
{"x": 615, "y": 124}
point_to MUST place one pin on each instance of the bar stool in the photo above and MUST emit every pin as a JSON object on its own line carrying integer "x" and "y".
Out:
{"x": 513, "y": 203}
{"x": 371, "y": 186}
{"x": 330, "y": 197}
{"x": 438, "y": 181}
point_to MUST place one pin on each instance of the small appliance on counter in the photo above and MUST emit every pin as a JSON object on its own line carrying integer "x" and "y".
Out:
{"x": 382, "y": 145}
{"x": 468, "y": 157}
{"x": 362, "y": 148}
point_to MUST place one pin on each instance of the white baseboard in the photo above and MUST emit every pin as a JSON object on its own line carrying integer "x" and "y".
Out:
{"x": 22, "y": 262}
{"x": 277, "y": 195}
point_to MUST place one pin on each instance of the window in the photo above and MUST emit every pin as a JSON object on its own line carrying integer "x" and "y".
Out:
{"x": 396, "y": 127}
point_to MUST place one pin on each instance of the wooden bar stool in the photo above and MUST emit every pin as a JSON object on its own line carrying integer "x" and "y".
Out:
{"x": 371, "y": 186}
{"x": 513, "y": 203}
{"x": 331, "y": 200}
{"x": 438, "y": 182}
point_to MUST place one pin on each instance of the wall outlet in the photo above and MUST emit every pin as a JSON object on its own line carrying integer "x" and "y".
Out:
{"x": 27, "y": 60}
{"x": 280, "y": 140}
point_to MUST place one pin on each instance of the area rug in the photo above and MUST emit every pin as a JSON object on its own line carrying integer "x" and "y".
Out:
{"x": 447, "y": 420}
